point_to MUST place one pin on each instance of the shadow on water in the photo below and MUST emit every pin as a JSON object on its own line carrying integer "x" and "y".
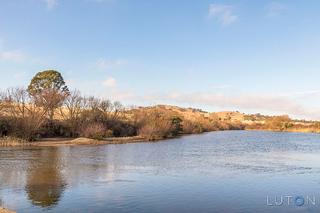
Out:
{"x": 45, "y": 183}
{"x": 231, "y": 171}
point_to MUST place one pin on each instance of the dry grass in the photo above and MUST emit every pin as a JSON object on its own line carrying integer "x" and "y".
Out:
{"x": 11, "y": 141}
{"x": 304, "y": 130}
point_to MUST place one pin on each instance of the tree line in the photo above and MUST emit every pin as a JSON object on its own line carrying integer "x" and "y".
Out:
{"x": 48, "y": 108}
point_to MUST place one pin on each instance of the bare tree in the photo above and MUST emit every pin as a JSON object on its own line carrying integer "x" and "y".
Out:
{"x": 118, "y": 110}
{"x": 25, "y": 116}
{"x": 72, "y": 109}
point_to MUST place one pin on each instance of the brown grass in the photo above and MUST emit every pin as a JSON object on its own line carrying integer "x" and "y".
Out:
{"x": 11, "y": 141}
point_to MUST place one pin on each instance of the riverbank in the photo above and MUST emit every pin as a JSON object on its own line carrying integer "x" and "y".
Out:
{"x": 70, "y": 141}
{"x": 12, "y": 141}
{"x": 297, "y": 130}
{"x": 87, "y": 141}
{"x": 3, "y": 210}
{"x": 112, "y": 140}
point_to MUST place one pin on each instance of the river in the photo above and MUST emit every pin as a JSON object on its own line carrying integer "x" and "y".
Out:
{"x": 227, "y": 171}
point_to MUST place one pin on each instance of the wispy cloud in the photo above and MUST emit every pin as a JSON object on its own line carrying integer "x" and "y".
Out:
{"x": 221, "y": 87}
{"x": 270, "y": 104}
{"x": 116, "y": 94}
{"x": 16, "y": 55}
{"x": 275, "y": 9}
{"x": 224, "y": 14}
{"x": 109, "y": 82}
{"x": 12, "y": 56}
{"x": 104, "y": 64}
{"x": 51, "y": 4}
{"x": 302, "y": 94}
{"x": 275, "y": 104}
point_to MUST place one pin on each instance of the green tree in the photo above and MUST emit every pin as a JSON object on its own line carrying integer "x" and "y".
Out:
{"x": 49, "y": 90}
{"x": 176, "y": 123}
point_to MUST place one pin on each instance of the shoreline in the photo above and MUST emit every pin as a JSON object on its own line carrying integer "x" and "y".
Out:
{"x": 12, "y": 142}
{"x": 86, "y": 141}
{"x": 304, "y": 130}
{"x": 54, "y": 142}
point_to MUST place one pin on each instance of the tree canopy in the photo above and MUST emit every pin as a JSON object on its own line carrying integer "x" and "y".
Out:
{"x": 47, "y": 80}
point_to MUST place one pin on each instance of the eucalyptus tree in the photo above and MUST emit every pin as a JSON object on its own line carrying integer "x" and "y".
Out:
{"x": 49, "y": 90}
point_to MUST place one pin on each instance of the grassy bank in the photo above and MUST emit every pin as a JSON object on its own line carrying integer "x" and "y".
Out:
{"x": 53, "y": 142}
{"x": 12, "y": 141}
{"x": 297, "y": 130}
{"x": 7, "y": 142}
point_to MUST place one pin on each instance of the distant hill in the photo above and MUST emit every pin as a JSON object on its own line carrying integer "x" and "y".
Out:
{"x": 194, "y": 114}
{"x": 235, "y": 118}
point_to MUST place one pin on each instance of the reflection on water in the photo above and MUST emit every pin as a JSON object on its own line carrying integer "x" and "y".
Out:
{"x": 232, "y": 171}
{"x": 45, "y": 183}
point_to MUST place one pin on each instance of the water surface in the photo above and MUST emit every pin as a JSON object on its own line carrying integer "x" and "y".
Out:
{"x": 230, "y": 171}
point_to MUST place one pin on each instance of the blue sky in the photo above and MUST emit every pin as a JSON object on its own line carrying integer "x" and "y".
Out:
{"x": 251, "y": 56}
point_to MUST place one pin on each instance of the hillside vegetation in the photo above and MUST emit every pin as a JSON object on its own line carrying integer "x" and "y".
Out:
{"x": 47, "y": 108}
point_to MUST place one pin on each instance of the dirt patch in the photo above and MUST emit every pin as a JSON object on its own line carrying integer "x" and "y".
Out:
{"x": 86, "y": 141}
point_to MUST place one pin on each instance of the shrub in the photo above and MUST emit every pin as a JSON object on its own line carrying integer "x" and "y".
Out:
{"x": 94, "y": 131}
{"x": 4, "y": 127}
{"x": 25, "y": 128}
{"x": 190, "y": 127}
{"x": 123, "y": 129}
{"x": 55, "y": 128}
{"x": 109, "y": 133}
{"x": 278, "y": 122}
{"x": 176, "y": 126}
{"x": 157, "y": 125}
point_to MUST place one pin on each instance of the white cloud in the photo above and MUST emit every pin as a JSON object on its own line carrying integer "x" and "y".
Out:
{"x": 275, "y": 9}
{"x": 110, "y": 82}
{"x": 120, "y": 95}
{"x": 16, "y": 55}
{"x": 269, "y": 104}
{"x": 221, "y": 87}
{"x": 12, "y": 56}
{"x": 265, "y": 104}
{"x": 51, "y": 4}
{"x": 223, "y": 13}
{"x": 104, "y": 64}
{"x": 302, "y": 94}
